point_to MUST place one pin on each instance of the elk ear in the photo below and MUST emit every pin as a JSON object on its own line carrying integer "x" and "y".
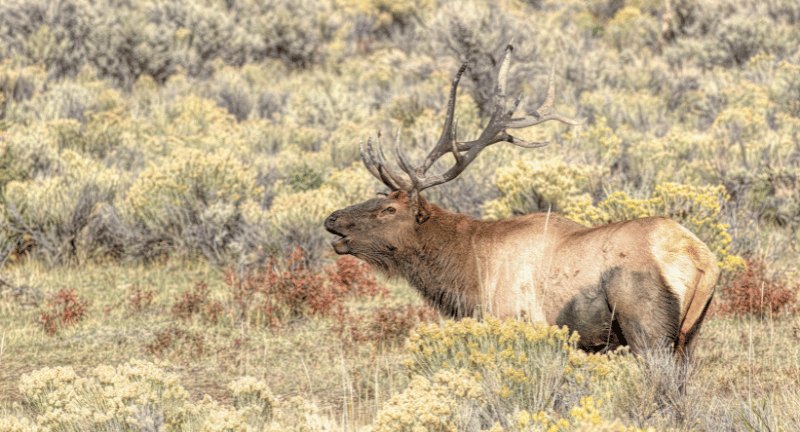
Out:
{"x": 420, "y": 207}
{"x": 423, "y": 214}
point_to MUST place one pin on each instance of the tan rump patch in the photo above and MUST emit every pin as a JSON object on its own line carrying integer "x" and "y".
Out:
{"x": 672, "y": 246}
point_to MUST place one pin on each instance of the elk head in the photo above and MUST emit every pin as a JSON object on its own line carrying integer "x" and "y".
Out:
{"x": 375, "y": 229}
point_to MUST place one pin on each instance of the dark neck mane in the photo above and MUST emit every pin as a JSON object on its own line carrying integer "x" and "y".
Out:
{"x": 440, "y": 263}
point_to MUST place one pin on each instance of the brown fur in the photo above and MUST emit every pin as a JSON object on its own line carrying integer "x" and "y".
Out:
{"x": 642, "y": 283}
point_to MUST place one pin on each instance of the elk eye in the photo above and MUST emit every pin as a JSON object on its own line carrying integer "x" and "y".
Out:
{"x": 389, "y": 210}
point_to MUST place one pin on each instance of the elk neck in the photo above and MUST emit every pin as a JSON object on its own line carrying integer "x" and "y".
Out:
{"x": 440, "y": 264}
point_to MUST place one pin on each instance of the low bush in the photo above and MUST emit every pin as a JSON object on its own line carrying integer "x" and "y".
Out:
{"x": 139, "y": 395}
{"x": 61, "y": 310}
{"x": 178, "y": 341}
{"x": 193, "y": 202}
{"x": 387, "y": 325}
{"x": 755, "y": 292}
{"x": 140, "y": 299}
{"x": 196, "y": 302}
{"x": 509, "y": 375}
{"x": 47, "y": 216}
{"x": 281, "y": 293}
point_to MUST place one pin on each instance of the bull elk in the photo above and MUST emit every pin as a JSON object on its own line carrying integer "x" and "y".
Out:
{"x": 640, "y": 283}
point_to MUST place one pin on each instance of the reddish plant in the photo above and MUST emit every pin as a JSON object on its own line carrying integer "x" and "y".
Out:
{"x": 197, "y": 302}
{"x": 62, "y": 309}
{"x": 174, "y": 337}
{"x": 283, "y": 292}
{"x": 352, "y": 276}
{"x": 754, "y": 292}
{"x": 140, "y": 299}
{"x": 385, "y": 325}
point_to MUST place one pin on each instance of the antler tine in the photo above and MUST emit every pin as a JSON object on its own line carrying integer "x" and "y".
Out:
{"x": 546, "y": 111}
{"x": 527, "y": 144}
{"x": 367, "y": 159}
{"x": 396, "y": 178}
{"x": 403, "y": 161}
{"x": 502, "y": 79}
{"x": 443, "y": 145}
{"x": 454, "y": 145}
{"x": 375, "y": 161}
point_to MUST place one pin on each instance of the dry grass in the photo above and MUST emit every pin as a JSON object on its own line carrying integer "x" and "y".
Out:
{"x": 747, "y": 369}
{"x": 304, "y": 358}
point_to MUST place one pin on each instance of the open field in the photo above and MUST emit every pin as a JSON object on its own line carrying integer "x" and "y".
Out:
{"x": 165, "y": 168}
{"x": 747, "y": 366}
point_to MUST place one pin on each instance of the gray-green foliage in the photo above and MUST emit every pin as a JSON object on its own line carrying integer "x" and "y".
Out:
{"x": 54, "y": 34}
{"x": 697, "y": 94}
{"x": 124, "y": 40}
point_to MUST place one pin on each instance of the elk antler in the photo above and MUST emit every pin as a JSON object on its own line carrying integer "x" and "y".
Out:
{"x": 414, "y": 180}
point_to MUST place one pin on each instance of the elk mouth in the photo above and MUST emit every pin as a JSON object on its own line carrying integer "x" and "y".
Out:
{"x": 340, "y": 243}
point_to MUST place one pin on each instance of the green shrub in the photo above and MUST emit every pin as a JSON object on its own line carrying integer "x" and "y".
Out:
{"x": 232, "y": 92}
{"x": 192, "y": 201}
{"x": 47, "y": 215}
{"x": 546, "y": 185}
{"x": 127, "y": 44}
{"x": 477, "y": 33}
{"x": 26, "y": 153}
{"x": 632, "y": 29}
{"x": 510, "y": 373}
{"x": 53, "y": 35}
{"x": 295, "y": 32}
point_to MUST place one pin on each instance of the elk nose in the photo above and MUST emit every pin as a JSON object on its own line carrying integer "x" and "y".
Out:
{"x": 330, "y": 220}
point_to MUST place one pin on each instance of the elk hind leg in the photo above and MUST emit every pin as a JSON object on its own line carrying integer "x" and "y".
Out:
{"x": 647, "y": 311}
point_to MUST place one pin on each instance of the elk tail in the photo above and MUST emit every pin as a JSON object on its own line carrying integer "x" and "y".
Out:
{"x": 705, "y": 282}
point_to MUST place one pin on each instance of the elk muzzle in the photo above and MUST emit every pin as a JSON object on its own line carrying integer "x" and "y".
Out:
{"x": 341, "y": 244}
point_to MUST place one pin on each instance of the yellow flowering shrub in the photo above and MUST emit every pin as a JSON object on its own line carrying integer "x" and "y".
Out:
{"x": 449, "y": 401}
{"x": 295, "y": 218}
{"x": 599, "y": 137}
{"x": 255, "y": 409}
{"x": 52, "y": 200}
{"x": 254, "y": 393}
{"x": 140, "y": 395}
{"x": 540, "y": 185}
{"x": 353, "y": 183}
{"x": 200, "y": 123}
{"x": 132, "y": 396}
{"x": 519, "y": 363}
{"x": 585, "y": 417}
{"x": 517, "y": 372}
{"x": 190, "y": 179}
{"x": 297, "y": 414}
{"x": 632, "y": 29}
{"x": 26, "y": 152}
{"x": 210, "y": 416}
{"x": 12, "y": 423}
{"x": 670, "y": 157}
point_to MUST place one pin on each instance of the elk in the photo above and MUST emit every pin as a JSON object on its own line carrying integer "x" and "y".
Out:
{"x": 642, "y": 283}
